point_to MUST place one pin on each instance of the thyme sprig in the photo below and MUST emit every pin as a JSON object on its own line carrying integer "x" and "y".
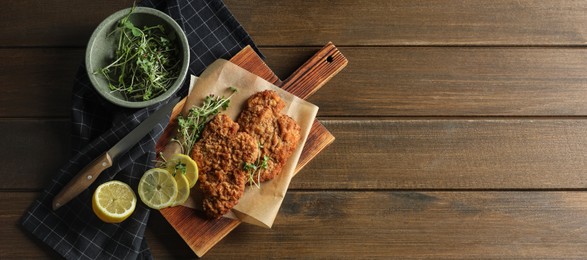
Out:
{"x": 191, "y": 126}
{"x": 146, "y": 61}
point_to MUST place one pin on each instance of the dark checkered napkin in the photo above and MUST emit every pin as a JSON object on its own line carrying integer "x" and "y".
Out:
{"x": 73, "y": 230}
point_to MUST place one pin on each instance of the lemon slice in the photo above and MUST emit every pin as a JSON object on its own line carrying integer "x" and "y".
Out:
{"x": 183, "y": 164}
{"x": 183, "y": 189}
{"x": 157, "y": 188}
{"x": 113, "y": 201}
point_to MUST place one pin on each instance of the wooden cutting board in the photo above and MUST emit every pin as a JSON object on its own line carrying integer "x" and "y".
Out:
{"x": 202, "y": 234}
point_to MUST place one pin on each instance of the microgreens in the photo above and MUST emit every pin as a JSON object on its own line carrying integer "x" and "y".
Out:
{"x": 254, "y": 169}
{"x": 146, "y": 61}
{"x": 191, "y": 126}
{"x": 180, "y": 168}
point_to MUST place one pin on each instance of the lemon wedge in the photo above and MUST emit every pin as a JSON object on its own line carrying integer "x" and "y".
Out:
{"x": 183, "y": 165}
{"x": 114, "y": 201}
{"x": 158, "y": 188}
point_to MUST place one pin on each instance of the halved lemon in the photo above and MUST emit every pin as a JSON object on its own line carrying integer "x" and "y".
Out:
{"x": 185, "y": 165}
{"x": 157, "y": 188}
{"x": 114, "y": 201}
{"x": 183, "y": 189}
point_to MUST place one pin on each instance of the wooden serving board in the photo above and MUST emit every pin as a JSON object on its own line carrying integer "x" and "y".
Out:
{"x": 202, "y": 234}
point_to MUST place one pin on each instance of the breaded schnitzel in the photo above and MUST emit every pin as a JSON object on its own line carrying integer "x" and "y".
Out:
{"x": 278, "y": 134}
{"x": 220, "y": 154}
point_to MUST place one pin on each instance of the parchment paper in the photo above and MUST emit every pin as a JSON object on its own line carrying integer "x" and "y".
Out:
{"x": 258, "y": 206}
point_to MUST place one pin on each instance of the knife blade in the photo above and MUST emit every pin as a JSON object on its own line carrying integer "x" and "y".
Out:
{"x": 90, "y": 173}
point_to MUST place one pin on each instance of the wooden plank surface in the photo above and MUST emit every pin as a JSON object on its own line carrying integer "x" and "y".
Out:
{"x": 406, "y": 225}
{"x": 53, "y": 23}
{"x": 376, "y": 153}
{"x": 43, "y": 76}
{"x": 393, "y": 81}
{"x": 345, "y": 22}
{"x": 460, "y": 127}
{"x": 452, "y": 81}
{"x": 414, "y": 22}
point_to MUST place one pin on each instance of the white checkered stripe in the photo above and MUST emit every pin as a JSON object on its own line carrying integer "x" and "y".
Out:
{"x": 74, "y": 231}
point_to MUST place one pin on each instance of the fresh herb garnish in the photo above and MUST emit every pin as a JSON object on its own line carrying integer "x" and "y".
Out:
{"x": 254, "y": 169}
{"x": 146, "y": 61}
{"x": 179, "y": 168}
{"x": 160, "y": 161}
{"x": 191, "y": 126}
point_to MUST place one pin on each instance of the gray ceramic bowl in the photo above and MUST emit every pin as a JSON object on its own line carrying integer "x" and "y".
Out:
{"x": 100, "y": 52}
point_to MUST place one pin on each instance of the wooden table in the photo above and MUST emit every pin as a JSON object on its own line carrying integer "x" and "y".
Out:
{"x": 461, "y": 126}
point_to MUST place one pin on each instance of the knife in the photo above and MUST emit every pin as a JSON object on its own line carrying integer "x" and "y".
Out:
{"x": 90, "y": 173}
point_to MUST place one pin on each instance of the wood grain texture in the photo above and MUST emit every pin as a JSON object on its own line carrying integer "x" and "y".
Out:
{"x": 42, "y": 78}
{"x": 196, "y": 231}
{"x": 450, "y": 81}
{"x": 315, "y": 72}
{"x": 480, "y": 101}
{"x": 409, "y": 22}
{"x": 451, "y": 154}
{"x": 54, "y": 23}
{"x": 392, "y": 81}
{"x": 348, "y": 225}
{"x": 344, "y": 22}
{"x": 402, "y": 153}
{"x": 48, "y": 139}
{"x": 249, "y": 60}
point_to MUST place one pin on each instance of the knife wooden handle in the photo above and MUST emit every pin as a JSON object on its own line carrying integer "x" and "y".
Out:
{"x": 82, "y": 180}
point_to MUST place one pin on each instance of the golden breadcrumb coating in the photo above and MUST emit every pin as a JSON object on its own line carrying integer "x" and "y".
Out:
{"x": 220, "y": 154}
{"x": 277, "y": 134}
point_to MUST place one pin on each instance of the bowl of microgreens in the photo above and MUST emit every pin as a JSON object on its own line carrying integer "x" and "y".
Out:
{"x": 137, "y": 57}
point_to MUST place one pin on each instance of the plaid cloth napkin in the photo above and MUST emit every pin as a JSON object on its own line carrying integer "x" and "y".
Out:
{"x": 73, "y": 230}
